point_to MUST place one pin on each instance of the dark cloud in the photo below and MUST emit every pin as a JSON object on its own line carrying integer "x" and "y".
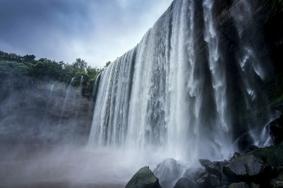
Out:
{"x": 97, "y": 30}
{"x": 23, "y": 17}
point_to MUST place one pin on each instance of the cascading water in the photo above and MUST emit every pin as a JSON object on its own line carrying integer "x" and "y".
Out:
{"x": 189, "y": 90}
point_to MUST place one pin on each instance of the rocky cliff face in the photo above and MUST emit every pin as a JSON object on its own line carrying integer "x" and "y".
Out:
{"x": 254, "y": 167}
{"x": 270, "y": 15}
{"x": 194, "y": 86}
{"x": 41, "y": 112}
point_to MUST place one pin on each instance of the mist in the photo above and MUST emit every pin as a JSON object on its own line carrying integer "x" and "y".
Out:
{"x": 64, "y": 166}
{"x": 44, "y": 132}
{"x": 44, "y": 127}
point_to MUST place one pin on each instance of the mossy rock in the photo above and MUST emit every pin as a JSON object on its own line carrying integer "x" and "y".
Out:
{"x": 144, "y": 178}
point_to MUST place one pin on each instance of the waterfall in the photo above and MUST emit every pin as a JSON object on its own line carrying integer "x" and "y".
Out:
{"x": 219, "y": 84}
{"x": 190, "y": 89}
{"x": 68, "y": 95}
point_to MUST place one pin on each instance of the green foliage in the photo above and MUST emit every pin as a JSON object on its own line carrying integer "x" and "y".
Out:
{"x": 45, "y": 69}
{"x": 7, "y": 67}
{"x": 80, "y": 64}
{"x": 29, "y": 58}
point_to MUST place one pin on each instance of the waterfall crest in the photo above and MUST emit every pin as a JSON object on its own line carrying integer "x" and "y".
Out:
{"x": 190, "y": 88}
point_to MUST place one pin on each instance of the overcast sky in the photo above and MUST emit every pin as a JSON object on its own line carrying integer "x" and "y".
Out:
{"x": 95, "y": 30}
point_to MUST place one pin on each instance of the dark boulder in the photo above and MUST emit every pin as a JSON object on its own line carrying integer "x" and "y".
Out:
{"x": 215, "y": 168}
{"x": 208, "y": 180}
{"x": 260, "y": 168}
{"x": 194, "y": 173}
{"x": 168, "y": 172}
{"x": 144, "y": 178}
{"x": 239, "y": 185}
{"x": 278, "y": 181}
{"x": 185, "y": 183}
{"x": 245, "y": 167}
{"x": 215, "y": 176}
{"x": 244, "y": 185}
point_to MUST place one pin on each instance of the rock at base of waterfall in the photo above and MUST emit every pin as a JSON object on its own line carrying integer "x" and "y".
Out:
{"x": 276, "y": 130}
{"x": 144, "y": 178}
{"x": 185, "y": 183}
{"x": 194, "y": 173}
{"x": 245, "y": 166}
{"x": 277, "y": 181}
{"x": 168, "y": 172}
{"x": 215, "y": 168}
{"x": 239, "y": 185}
{"x": 262, "y": 167}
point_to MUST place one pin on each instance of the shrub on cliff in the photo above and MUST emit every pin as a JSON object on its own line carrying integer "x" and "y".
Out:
{"x": 44, "y": 69}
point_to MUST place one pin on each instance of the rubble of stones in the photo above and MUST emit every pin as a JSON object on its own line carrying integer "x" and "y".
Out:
{"x": 255, "y": 168}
